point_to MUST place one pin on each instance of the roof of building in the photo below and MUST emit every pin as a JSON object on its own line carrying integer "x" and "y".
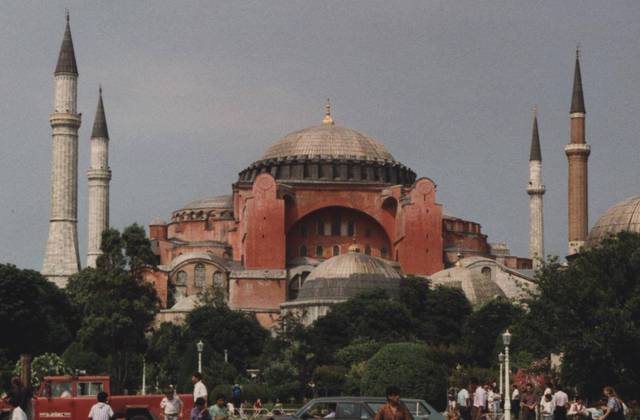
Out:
{"x": 535, "y": 153}
{"x": 67, "y": 58}
{"x": 577, "y": 98}
{"x": 345, "y": 276}
{"x": 217, "y": 202}
{"x": 100, "y": 122}
{"x": 624, "y": 216}
{"x": 330, "y": 141}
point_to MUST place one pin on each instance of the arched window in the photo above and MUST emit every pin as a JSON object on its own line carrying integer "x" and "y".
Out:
{"x": 351, "y": 229}
{"x": 303, "y": 230}
{"x": 303, "y": 251}
{"x": 181, "y": 278}
{"x": 384, "y": 252}
{"x": 319, "y": 251}
{"x": 336, "y": 250}
{"x": 218, "y": 280}
{"x": 367, "y": 250}
{"x": 486, "y": 273}
{"x": 335, "y": 226}
{"x": 199, "y": 276}
{"x": 320, "y": 231}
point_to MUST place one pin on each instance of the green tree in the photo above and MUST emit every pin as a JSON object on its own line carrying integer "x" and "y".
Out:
{"x": 44, "y": 365}
{"x": 165, "y": 353}
{"x": 482, "y": 332}
{"x": 115, "y": 308}
{"x": 590, "y": 311}
{"x": 36, "y": 313}
{"x": 409, "y": 366}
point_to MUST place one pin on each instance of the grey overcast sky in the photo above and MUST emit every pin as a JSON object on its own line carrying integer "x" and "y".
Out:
{"x": 195, "y": 91}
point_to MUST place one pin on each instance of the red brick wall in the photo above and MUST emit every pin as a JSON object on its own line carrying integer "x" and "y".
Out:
{"x": 257, "y": 293}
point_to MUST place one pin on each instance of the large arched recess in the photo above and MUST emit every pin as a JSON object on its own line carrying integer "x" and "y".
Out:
{"x": 327, "y": 231}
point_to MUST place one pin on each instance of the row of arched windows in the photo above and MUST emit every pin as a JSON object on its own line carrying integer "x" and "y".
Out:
{"x": 199, "y": 277}
{"x": 335, "y": 250}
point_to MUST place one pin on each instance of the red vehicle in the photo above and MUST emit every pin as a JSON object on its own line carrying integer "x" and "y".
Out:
{"x": 71, "y": 397}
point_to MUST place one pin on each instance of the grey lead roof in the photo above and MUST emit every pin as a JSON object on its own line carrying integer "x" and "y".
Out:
{"x": 67, "y": 58}
{"x": 535, "y": 154}
{"x": 577, "y": 99}
{"x": 100, "y": 122}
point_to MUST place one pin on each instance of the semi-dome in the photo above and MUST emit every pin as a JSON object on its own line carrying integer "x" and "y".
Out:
{"x": 328, "y": 140}
{"x": 344, "y": 276}
{"x": 624, "y": 216}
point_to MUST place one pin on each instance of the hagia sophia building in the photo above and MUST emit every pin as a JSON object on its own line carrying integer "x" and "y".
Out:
{"x": 323, "y": 214}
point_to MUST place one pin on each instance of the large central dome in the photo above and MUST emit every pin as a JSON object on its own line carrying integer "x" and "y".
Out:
{"x": 330, "y": 141}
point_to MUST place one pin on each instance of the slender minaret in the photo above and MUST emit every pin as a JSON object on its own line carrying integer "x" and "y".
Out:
{"x": 577, "y": 152}
{"x": 99, "y": 176}
{"x": 61, "y": 258}
{"x": 536, "y": 190}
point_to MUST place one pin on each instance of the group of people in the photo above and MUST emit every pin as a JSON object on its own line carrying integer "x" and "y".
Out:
{"x": 220, "y": 410}
{"x": 484, "y": 401}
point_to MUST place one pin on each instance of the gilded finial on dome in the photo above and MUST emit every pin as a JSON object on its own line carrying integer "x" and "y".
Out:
{"x": 353, "y": 247}
{"x": 328, "y": 119}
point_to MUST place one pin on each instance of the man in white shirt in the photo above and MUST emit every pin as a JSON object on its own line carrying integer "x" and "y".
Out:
{"x": 171, "y": 405}
{"x": 101, "y": 410}
{"x": 463, "y": 404}
{"x": 561, "y": 403}
{"x": 479, "y": 400}
{"x": 199, "y": 389}
{"x": 17, "y": 413}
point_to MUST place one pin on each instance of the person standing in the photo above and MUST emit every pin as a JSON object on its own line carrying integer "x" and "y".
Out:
{"x": 219, "y": 410}
{"x": 463, "y": 404}
{"x": 561, "y": 404}
{"x": 393, "y": 410}
{"x": 17, "y": 413}
{"x": 236, "y": 394}
{"x": 171, "y": 405}
{"x": 615, "y": 408}
{"x": 453, "y": 411}
{"x": 101, "y": 410}
{"x": 547, "y": 407}
{"x": 479, "y": 400}
{"x": 515, "y": 402}
{"x": 199, "y": 389}
{"x": 528, "y": 401}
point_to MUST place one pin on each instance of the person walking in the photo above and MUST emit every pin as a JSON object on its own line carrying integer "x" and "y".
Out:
{"x": 515, "y": 402}
{"x": 615, "y": 407}
{"x": 199, "y": 388}
{"x": 171, "y": 405}
{"x": 561, "y": 403}
{"x": 528, "y": 401}
{"x": 479, "y": 400}
{"x": 199, "y": 410}
{"x": 101, "y": 410}
{"x": 393, "y": 410}
{"x": 463, "y": 404}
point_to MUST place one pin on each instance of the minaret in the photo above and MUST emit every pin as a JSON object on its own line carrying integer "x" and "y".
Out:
{"x": 577, "y": 152}
{"x": 61, "y": 258}
{"x": 99, "y": 176}
{"x": 536, "y": 190}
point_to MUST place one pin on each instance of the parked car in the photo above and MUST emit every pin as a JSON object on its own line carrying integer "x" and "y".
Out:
{"x": 422, "y": 410}
{"x": 338, "y": 408}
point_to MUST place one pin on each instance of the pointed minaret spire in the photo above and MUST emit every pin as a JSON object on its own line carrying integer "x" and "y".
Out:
{"x": 67, "y": 57}
{"x": 99, "y": 176}
{"x": 100, "y": 122}
{"x": 536, "y": 190}
{"x": 535, "y": 153}
{"x": 577, "y": 99}
{"x": 328, "y": 119}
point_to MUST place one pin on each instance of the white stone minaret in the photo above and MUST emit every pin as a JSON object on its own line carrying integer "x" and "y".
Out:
{"x": 99, "y": 176}
{"x": 536, "y": 190}
{"x": 61, "y": 258}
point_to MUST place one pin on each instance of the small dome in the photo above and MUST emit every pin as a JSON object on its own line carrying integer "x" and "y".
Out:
{"x": 624, "y": 216}
{"x": 328, "y": 140}
{"x": 217, "y": 202}
{"x": 344, "y": 276}
{"x": 477, "y": 288}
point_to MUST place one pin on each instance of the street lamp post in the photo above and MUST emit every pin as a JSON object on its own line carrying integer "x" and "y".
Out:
{"x": 226, "y": 356}
{"x": 200, "y": 347}
{"x": 144, "y": 375}
{"x": 501, "y": 360}
{"x": 506, "y": 340}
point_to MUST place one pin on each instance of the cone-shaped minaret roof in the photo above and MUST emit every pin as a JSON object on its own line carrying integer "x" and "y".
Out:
{"x": 67, "y": 58}
{"x": 577, "y": 99}
{"x": 535, "y": 139}
{"x": 100, "y": 122}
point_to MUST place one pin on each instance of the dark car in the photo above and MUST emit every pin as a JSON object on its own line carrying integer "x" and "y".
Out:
{"x": 340, "y": 408}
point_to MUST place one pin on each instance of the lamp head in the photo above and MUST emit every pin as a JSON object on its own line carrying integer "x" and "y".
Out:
{"x": 200, "y": 346}
{"x": 506, "y": 338}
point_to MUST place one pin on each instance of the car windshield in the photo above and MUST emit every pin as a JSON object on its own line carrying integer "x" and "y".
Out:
{"x": 89, "y": 388}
